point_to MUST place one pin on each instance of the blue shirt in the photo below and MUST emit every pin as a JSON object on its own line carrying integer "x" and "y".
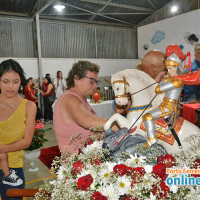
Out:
{"x": 190, "y": 89}
{"x": 194, "y": 66}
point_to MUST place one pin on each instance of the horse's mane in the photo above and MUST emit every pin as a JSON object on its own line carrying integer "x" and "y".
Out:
{"x": 148, "y": 80}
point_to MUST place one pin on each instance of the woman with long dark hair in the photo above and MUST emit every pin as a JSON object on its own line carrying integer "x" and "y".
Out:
{"x": 49, "y": 97}
{"x": 17, "y": 125}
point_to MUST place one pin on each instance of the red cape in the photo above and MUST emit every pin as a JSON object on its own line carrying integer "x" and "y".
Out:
{"x": 191, "y": 78}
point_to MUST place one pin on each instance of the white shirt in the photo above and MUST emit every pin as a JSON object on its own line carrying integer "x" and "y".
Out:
{"x": 59, "y": 87}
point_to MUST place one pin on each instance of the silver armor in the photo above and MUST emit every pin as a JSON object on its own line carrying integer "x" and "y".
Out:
{"x": 172, "y": 89}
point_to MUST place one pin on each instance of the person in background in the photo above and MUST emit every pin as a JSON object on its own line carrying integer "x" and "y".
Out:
{"x": 192, "y": 93}
{"x": 17, "y": 126}
{"x": 59, "y": 84}
{"x": 153, "y": 64}
{"x": 43, "y": 83}
{"x": 73, "y": 115}
{"x": 29, "y": 93}
{"x": 49, "y": 97}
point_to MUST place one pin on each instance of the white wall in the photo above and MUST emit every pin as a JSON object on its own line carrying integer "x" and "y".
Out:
{"x": 52, "y": 65}
{"x": 174, "y": 28}
{"x": 30, "y": 65}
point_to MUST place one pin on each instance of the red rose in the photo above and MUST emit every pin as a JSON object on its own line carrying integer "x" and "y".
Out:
{"x": 121, "y": 170}
{"x": 95, "y": 160}
{"x": 169, "y": 160}
{"x": 77, "y": 167}
{"x": 88, "y": 142}
{"x": 137, "y": 174}
{"x": 84, "y": 182}
{"x": 98, "y": 196}
{"x": 37, "y": 133}
{"x": 160, "y": 170}
{"x": 161, "y": 190}
{"x": 195, "y": 166}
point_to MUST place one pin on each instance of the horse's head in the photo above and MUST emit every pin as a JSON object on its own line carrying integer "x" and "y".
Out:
{"x": 121, "y": 90}
{"x": 136, "y": 83}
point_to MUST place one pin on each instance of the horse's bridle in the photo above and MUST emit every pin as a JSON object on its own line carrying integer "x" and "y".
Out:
{"x": 125, "y": 87}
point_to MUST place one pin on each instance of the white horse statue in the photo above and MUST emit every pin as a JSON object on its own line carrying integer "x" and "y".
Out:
{"x": 134, "y": 81}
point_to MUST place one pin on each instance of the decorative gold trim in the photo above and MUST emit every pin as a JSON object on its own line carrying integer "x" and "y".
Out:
{"x": 147, "y": 116}
{"x": 122, "y": 81}
{"x": 171, "y": 63}
{"x": 162, "y": 125}
{"x": 120, "y": 96}
{"x": 177, "y": 83}
{"x": 166, "y": 79}
{"x": 146, "y": 145}
{"x": 158, "y": 90}
{"x": 151, "y": 139}
{"x": 125, "y": 87}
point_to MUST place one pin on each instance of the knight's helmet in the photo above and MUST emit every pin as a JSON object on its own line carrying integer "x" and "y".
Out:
{"x": 175, "y": 57}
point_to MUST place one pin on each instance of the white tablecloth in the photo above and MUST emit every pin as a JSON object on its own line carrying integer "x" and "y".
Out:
{"x": 103, "y": 109}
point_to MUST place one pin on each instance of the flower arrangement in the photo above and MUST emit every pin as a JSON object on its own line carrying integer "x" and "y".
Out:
{"x": 87, "y": 175}
{"x": 38, "y": 136}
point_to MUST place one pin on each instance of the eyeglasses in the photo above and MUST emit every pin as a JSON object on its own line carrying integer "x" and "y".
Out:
{"x": 93, "y": 80}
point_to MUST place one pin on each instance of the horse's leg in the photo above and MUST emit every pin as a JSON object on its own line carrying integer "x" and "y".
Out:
{"x": 121, "y": 121}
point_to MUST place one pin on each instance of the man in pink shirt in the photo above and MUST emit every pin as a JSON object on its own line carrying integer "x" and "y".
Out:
{"x": 73, "y": 116}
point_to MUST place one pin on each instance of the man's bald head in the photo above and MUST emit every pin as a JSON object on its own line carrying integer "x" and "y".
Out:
{"x": 153, "y": 63}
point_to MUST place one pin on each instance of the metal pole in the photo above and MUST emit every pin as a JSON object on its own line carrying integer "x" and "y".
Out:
{"x": 39, "y": 56}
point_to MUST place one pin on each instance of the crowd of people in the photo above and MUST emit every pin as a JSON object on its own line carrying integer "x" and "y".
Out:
{"x": 72, "y": 114}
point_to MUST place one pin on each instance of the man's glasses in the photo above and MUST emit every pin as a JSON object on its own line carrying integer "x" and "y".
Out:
{"x": 93, "y": 80}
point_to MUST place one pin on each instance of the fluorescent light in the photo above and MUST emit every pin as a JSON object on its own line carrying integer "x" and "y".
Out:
{"x": 59, "y": 8}
{"x": 174, "y": 9}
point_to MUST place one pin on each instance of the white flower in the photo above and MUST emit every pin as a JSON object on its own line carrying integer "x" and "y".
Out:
{"x": 61, "y": 174}
{"x": 89, "y": 170}
{"x": 173, "y": 188}
{"x": 148, "y": 168}
{"x": 123, "y": 184}
{"x": 95, "y": 146}
{"x": 152, "y": 197}
{"x": 52, "y": 182}
{"x": 137, "y": 159}
{"x": 110, "y": 192}
{"x": 112, "y": 185}
{"x": 106, "y": 171}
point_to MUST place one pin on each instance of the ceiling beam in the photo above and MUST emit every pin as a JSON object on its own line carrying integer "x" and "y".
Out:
{"x": 99, "y": 11}
{"x": 13, "y": 14}
{"x": 82, "y": 21}
{"x": 40, "y": 5}
{"x": 119, "y": 5}
{"x": 118, "y": 20}
{"x": 155, "y": 9}
{"x": 86, "y": 14}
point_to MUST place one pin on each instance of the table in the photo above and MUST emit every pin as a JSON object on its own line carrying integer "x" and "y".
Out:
{"x": 103, "y": 109}
{"x": 189, "y": 111}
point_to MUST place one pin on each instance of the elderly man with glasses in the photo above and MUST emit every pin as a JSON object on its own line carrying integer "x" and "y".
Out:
{"x": 73, "y": 116}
